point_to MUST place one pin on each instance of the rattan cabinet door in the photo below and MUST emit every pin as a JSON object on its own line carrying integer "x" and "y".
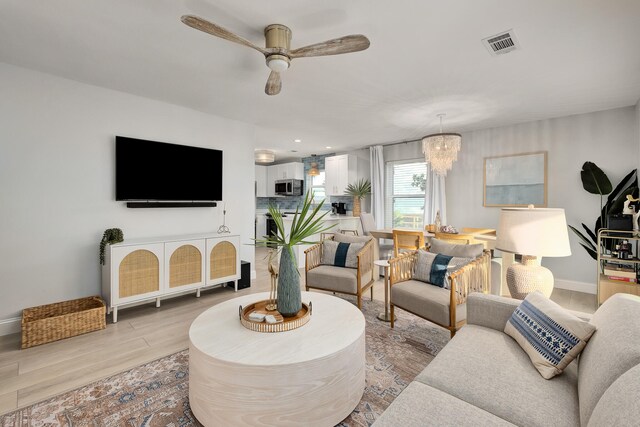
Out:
{"x": 137, "y": 272}
{"x": 223, "y": 259}
{"x": 184, "y": 265}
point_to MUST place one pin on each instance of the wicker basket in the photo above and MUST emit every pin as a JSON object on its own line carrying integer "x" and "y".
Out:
{"x": 53, "y": 322}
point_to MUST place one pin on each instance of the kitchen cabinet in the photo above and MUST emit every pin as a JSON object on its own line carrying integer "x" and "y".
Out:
{"x": 339, "y": 171}
{"x": 293, "y": 170}
{"x": 261, "y": 181}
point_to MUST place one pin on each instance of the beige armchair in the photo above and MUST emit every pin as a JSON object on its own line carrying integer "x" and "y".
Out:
{"x": 351, "y": 281}
{"x": 444, "y": 307}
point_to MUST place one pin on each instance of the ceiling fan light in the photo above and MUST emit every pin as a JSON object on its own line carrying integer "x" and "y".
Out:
{"x": 278, "y": 63}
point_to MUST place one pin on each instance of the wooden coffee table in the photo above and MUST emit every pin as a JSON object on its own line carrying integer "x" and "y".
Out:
{"x": 312, "y": 376}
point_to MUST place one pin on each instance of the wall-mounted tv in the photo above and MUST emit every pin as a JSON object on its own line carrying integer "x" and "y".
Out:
{"x": 157, "y": 171}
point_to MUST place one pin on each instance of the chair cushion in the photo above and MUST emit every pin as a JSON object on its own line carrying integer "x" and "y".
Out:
{"x": 340, "y": 254}
{"x": 426, "y": 301}
{"x": 332, "y": 278}
{"x": 346, "y": 238}
{"x": 613, "y": 349}
{"x": 465, "y": 251}
{"x": 619, "y": 406}
{"x": 435, "y": 268}
{"x": 551, "y": 336}
{"x": 422, "y": 405}
{"x": 488, "y": 369}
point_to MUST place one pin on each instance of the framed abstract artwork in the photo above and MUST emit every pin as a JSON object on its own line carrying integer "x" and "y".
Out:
{"x": 516, "y": 180}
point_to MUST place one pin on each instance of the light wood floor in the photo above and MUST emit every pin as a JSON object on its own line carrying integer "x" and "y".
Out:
{"x": 142, "y": 334}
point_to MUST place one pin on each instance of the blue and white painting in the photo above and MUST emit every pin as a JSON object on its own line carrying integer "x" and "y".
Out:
{"x": 518, "y": 180}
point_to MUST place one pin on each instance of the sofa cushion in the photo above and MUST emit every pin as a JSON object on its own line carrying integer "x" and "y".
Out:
{"x": 435, "y": 268}
{"x": 488, "y": 369}
{"x": 464, "y": 251}
{"x": 332, "y": 278}
{"x": 422, "y": 405}
{"x": 619, "y": 406}
{"x": 551, "y": 336}
{"x": 341, "y": 254}
{"x": 613, "y": 349}
{"x": 429, "y": 302}
{"x": 347, "y": 238}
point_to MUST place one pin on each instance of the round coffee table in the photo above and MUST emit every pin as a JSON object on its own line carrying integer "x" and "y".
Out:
{"x": 312, "y": 376}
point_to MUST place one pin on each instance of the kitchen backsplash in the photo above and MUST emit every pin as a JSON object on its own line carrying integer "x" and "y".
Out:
{"x": 286, "y": 203}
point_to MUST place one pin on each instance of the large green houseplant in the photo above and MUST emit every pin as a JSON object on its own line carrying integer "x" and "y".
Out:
{"x": 306, "y": 223}
{"x": 359, "y": 191}
{"x": 595, "y": 181}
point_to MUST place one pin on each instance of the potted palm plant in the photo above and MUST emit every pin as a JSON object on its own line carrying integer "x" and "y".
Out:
{"x": 306, "y": 223}
{"x": 359, "y": 191}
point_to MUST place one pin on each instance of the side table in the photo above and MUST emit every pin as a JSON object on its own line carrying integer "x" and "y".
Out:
{"x": 385, "y": 317}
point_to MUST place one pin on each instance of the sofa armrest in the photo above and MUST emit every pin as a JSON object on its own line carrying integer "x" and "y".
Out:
{"x": 490, "y": 311}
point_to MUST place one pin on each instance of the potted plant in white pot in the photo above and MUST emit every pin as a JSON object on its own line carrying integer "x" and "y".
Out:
{"x": 359, "y": 190}
{"x": 306, "y": 222}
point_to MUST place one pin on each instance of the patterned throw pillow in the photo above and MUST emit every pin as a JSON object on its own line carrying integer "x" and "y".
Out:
{"x": 341, "y": 254}
{"x": 551, "y": 336}
{"x": 436, "y": 268}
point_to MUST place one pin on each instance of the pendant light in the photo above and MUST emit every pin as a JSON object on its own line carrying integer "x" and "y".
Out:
{"x": 441, "y": 149}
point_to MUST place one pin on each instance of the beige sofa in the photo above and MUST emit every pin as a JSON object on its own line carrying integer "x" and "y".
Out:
{"x": 483, "y": 378}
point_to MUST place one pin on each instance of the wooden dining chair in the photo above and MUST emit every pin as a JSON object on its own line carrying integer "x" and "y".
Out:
{"x": 477, "y": 231}
{"x": 407, "y": 240}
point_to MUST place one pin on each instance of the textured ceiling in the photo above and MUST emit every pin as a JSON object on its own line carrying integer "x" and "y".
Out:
{"x": 425, "y": 57}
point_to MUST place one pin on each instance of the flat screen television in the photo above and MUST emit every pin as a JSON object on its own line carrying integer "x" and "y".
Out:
{"x": 157, "y": 171}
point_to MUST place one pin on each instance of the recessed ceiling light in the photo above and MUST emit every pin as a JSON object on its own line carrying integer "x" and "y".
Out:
{"x": 297, "y": 140}
{"x": 294, "y": 151}
{"x": 327, "y": 147}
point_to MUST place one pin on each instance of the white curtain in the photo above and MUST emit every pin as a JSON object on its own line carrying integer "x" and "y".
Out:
{"x": 377, "y": 184}
{"x": 435, "y": 198}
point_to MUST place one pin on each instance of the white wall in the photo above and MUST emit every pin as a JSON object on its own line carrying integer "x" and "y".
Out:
{"x": 606, "y": 138}
{"x": 57, "y": 182}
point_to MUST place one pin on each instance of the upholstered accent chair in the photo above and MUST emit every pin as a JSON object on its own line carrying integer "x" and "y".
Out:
{"x": 344, "y": 280}
{"x": 442, "y": 306}
{"x": 407, "y": 240}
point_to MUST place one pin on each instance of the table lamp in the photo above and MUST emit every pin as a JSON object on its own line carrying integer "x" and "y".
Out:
{"x": 532, "y": 232}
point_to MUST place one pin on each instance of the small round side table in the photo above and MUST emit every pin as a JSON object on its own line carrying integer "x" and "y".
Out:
{"x": 385, "y": 317}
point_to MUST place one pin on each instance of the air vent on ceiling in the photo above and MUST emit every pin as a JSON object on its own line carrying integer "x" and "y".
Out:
{"x": 499, "y": 44}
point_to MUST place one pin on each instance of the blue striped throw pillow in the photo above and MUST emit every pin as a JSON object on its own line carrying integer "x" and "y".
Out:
{"x": 435, "y": 268}
{"x": 551, "y": 336}
{"x": 341, "y": 254}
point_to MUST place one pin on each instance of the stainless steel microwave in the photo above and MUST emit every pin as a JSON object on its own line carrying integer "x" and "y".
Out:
{"x": 289, "y": 187}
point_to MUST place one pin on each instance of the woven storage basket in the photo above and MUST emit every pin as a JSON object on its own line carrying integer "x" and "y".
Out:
{"x": 53, "y": 322}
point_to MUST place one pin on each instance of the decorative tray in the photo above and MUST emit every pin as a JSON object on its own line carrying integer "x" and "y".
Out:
{"x": 283, "y": 323}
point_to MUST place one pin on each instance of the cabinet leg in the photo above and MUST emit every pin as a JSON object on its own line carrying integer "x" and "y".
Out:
{"x": 198, "y": 293}
{"x": 115, "y": 315}
{"x": 157, "y": 302}
{"x": 236, "y": 286}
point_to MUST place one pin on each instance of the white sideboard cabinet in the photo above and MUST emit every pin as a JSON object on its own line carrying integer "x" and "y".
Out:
{"x": 141, "y": 270}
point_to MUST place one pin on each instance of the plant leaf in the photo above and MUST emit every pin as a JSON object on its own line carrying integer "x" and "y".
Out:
{"x": 624, "y": 182}
{"x": 594, "y": 180}
{"x": 586, "y": 242}
{"x": 591, "y": 252}
{"x": 590, "y": 233}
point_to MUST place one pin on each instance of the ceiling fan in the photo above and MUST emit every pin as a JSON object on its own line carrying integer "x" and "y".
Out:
{"x": 277, "y": 48}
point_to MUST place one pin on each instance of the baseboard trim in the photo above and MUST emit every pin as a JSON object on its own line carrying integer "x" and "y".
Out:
{"x": 10, "y": 326}
{"x": 572, "y": 285}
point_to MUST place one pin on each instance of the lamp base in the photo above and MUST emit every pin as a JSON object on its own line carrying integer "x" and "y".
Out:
{"x": 527, "y": 277}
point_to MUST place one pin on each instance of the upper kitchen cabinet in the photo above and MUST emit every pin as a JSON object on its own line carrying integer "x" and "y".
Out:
{"x": 261, "y": 181}
{"x": 340, "y": 171}
{"x": 293, "y": 170}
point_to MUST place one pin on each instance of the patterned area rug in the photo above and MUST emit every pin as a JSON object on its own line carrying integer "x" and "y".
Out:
{"x": 156, "y": 393}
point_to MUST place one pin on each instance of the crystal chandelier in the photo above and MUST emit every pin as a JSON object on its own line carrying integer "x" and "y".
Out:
{"x": 441, "y": 149}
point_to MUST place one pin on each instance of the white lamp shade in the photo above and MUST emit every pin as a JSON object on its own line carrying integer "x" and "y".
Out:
{"x": 533, "y": 231}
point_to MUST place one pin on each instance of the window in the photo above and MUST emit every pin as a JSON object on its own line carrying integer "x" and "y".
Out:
{"x": 406, "y": 185}
{"x": 316, "y": 184}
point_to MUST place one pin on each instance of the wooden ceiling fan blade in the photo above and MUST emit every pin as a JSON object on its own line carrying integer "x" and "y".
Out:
{"x": 216, "y": 30}
{"x": 274, "y": 84}
{"x": 346, "y": 44}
